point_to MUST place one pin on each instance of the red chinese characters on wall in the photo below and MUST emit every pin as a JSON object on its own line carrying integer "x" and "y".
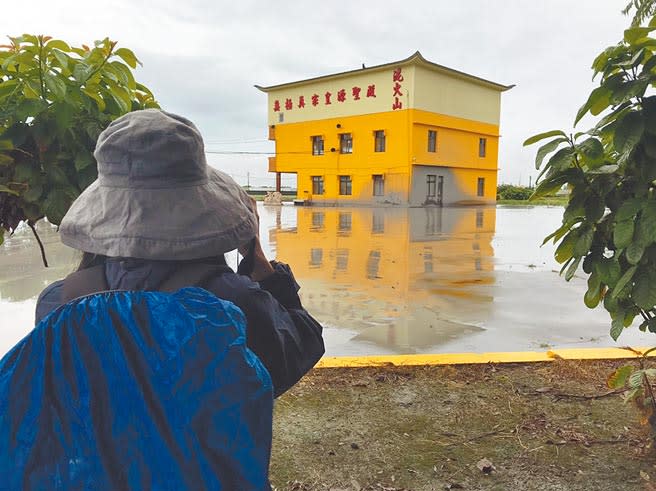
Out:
{"x": 397, "y": 78}
{"x": 341, "y": 95}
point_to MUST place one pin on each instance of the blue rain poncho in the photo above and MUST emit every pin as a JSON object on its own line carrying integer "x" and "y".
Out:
{"x": 136, "y": 390}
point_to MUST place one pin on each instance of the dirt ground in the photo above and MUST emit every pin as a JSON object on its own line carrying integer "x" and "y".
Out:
{"x": 541, "y": 426}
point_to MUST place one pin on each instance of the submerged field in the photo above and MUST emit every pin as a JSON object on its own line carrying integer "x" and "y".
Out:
{"x": 542, "y": 426}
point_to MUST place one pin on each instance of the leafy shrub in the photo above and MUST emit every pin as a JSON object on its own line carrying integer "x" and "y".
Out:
{"x": 510, "y": 192}
{"x": 54, "y": 102}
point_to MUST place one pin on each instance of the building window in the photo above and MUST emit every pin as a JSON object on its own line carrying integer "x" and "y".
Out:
{"x": 379, "y": 189}
{"x": 281, "y": 117}
{"x": 373, "y": 263}
{"x": 379, "y": 141}
{"x": 317, "y": 145}
{"x": 378, "y": 223}
{"x": 479, "y": 219}
{"x": 345, "y": 143}
{"x": 317, "y": 184}
{"x": 341, "y": 259}
{"x": 345, "y": 185}
{"x": 316, "y": 257}
{"x": 345, "y": 222}
{"x": 431, "y": 180}
{"x": 432, "y": 141}
{"x": 317, "y": 220}
{"x": 481, "y": 146}
{"x": 480, "y": 190}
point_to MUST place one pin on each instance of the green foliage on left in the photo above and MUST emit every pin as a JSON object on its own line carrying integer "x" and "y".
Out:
{"x": 55, "y": 99}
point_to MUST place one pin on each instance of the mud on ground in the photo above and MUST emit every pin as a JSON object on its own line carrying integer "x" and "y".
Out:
{"x": 487, "y": 427}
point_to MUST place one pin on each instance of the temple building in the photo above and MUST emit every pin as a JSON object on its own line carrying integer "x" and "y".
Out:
{"x": 410, "y": 132}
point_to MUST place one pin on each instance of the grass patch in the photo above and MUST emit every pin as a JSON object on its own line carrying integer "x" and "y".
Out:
{"x": 426, "y": 428}
{"x": 546, "y": 201}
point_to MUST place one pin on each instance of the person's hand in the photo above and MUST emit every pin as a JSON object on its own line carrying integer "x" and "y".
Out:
{"x": 261, "y": 266}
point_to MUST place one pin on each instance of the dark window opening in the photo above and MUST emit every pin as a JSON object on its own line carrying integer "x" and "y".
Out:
{"x": 379, "y": 185}
{"x": 432, "y": 141}
{"x": 481, "y": 146}
{"x": 317, "y": 145}
{"x": 345, "y": 143}
{"x": 317, "y": 184}
{"x": 345, "y": 185}
{"x": 379, "y": 141}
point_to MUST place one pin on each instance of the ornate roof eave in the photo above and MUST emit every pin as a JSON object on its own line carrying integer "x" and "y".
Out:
{"x": 416, "y": 58}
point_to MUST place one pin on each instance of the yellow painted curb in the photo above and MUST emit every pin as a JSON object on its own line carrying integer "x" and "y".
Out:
{"x": 470, "y": 358}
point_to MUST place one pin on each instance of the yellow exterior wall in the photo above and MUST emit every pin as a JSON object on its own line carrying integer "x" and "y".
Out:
{"x": 294, "y": 154}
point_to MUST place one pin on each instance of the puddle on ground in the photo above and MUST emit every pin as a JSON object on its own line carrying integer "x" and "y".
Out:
{"x": 388, "y": 280}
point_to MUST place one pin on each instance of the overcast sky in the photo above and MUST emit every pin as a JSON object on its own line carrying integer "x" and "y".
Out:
{"x": 202, "y": 58}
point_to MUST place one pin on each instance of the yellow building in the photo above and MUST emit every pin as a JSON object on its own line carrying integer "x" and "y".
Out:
{"x": 409, "y": 132}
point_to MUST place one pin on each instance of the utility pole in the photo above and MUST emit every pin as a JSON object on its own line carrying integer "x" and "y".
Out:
{"x": 248, "y": 181}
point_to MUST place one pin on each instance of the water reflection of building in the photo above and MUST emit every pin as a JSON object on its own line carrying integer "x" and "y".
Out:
{"x": 401, "y": 278}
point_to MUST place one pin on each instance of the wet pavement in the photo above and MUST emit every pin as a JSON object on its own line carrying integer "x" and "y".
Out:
{"x": 389, "y": 280}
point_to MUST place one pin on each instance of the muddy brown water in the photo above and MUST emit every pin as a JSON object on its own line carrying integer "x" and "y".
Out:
{"x": 388, "y": 280}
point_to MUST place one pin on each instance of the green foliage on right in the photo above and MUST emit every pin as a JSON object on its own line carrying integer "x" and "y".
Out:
{"x": 609, "y": 225}
{"x": 54, "y": 102}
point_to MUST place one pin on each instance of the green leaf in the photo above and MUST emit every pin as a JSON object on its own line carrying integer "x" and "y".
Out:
{"x": 644, "y": 290}
{"x": 619, "y": 377}
{"x": 128, "y": 57}
{"x": 636, "y": 379}
{"x": 593, "y": 294}
{"x": 584, "y": 242}
{"x": 623, "y": 233}
{"x": 83, "y": 160}
{"x": 633, "y": 34}
{"x": 599, "y": 99}
{"x": 30, "y": 108}
{"x": 55, "y": 85}
{"x": 617, "y": 327}
{"x": 559, "y": 161}
{"x": 33, "y": 194}
{"x": 7, "y": 87}
{"x": 609, "y": 270}
{"x": 571, "y": 270}
{"x": 542, "y": 136}
{"x": 647, "y": 223}
{"x": 56, "y": 43}
{"x": 565, "y": 249}
{"x": 628, "y": 132}
{"x": 6, "y": 160}
{"x": 592, "y": 150}
{"x": 623, "y": 281}
{"x": 546, "y": 149}
{"x": 629, "y": 209}
{"x": 634, "y": 252}
{"x": 5, "y": 189}
{"x": 605, "y": 169}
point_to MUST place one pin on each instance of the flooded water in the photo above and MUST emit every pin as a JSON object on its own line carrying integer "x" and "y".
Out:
{"x": 389, "y": 280}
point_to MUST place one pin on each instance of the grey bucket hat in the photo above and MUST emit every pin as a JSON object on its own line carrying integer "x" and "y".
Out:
{"x": 156, "y": 197}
